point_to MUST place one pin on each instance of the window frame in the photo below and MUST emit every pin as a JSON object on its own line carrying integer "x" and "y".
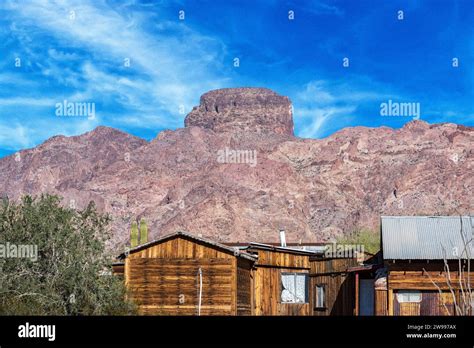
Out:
{"x": 323, "y": 286}
{"x": 401, "y": 292}
{"x": 306, "y": 287}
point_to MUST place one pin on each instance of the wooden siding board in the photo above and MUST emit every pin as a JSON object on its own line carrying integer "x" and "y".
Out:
{"x": 339, "y": 294}
{"x": 282, "y": 259}
{"x": 156, "y": 283}
{"x": 267, "y": 292}
{"x": 180, "y": 247}
{"x": 118, "y": 270}
{"x": 327, "y": 266}
{"x": 419, "y": 280}
{"x": 390, "y": 302}
{"x": 381, "y": 306}
{"x": 431, "y": 304}
{"x": 244, "y": 287}
{"x": 340, "y": 285}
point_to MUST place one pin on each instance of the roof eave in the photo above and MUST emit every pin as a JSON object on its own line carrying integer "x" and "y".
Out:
{"x": 225, "y": 248}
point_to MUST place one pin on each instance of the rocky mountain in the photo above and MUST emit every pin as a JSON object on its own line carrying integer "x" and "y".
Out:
{"x": 236, "y": 173}
{"x": 243, "y": 110}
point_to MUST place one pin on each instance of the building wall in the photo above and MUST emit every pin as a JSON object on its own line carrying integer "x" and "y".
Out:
{"x": 181, "y": 247}
{"x": 421, "y": 280}
{"x": 118, "y": 269}
{"x": 244, "y": 287}
{"x": 164, "y": 279}
{"x": 338, "y": 283}
{"x": 267, "y": 282}
{"x": 381, "y": 302}
{"x": 432, "y": 303}
{"x": 421, "y": 276}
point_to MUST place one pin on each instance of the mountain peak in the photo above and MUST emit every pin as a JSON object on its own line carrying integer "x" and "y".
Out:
{"x": 245, "y": 109}
{"x": 417, "y": 125}
{"x": 105, "y": 131}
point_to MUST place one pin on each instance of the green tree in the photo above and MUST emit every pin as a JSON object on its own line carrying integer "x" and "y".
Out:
{"x": 368, "y": 238}
{"x": 72, "y": 272}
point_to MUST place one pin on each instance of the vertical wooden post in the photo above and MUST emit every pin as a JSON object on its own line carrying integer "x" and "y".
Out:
{"x": 126, "y": 271}
{"x": 252, "y": 291}
{"x": 390, "y": 302}
{"x": 126, "y": 274}
{"x": 357, "y": 294}
{"x": 234, "y": 287}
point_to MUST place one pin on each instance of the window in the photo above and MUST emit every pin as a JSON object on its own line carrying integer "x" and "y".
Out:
{"x": 294, "y": 288}
{"x": 320, "y": 296}
{"x": 408, "y": 296}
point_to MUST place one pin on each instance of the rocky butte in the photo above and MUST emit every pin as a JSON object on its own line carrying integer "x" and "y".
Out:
{"x": 316, "y": 189}
{"x": 243, "y": 110}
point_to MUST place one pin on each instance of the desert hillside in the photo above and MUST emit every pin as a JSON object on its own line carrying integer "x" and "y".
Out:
{"x": 236, "y": 172}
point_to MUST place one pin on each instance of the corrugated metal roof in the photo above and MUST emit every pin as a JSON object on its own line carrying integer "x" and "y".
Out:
{"x": 426, "y": 237}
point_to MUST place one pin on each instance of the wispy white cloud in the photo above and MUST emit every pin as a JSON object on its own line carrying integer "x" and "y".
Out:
{"x": 171, "y": 64}
{"x": 321, "y": 103}
{"x": 320, "y": 7}
{"x": 317, "y": 118}
{"x": 14, "y": 136}
{"x": 29, "y": 101}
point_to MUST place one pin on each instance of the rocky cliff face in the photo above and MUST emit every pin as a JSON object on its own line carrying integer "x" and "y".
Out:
{"x": 237, "y": 173}
{"x": 240, "y": 110}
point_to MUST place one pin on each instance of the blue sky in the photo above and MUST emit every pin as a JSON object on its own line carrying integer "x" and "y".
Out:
{"x": 77, "y": 51}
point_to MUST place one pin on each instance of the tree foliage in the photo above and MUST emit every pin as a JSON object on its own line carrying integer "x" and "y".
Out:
{"x": 366, "y": 237}
{"x": 72, "y": 273}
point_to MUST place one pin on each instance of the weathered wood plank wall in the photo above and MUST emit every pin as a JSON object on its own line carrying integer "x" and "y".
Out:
{"x": 244, "y": 287}
{"x": 267, "y": 282}
{"x": 420, "y": 280}
{"x": 163, "y": 279}
{"x": 421, "y": 276}
{"x": 181, "y": 247}
{"x": 381, "y": 302}
{"x": 339, "y": 285}
{"x": 171, "y": 287}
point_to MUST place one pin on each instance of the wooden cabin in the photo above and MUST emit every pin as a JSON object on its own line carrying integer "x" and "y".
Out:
{"x": 181, "y": 274}
{"x": 414, "y": 278}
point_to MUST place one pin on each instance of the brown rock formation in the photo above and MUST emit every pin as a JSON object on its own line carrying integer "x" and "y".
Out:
{"x": 243, "y": 110}
{"x": 315, "y": 189}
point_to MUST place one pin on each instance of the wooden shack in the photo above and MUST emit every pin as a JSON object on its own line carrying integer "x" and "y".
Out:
{"x": 181, "y": 274}
{"x": 416, "y": 250}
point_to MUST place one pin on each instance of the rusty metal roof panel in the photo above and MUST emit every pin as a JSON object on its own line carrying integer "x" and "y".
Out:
{"x": 426, "y": 237}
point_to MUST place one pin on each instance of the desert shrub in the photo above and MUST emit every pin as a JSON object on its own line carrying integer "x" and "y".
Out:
{"x": 72, "y": 273}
